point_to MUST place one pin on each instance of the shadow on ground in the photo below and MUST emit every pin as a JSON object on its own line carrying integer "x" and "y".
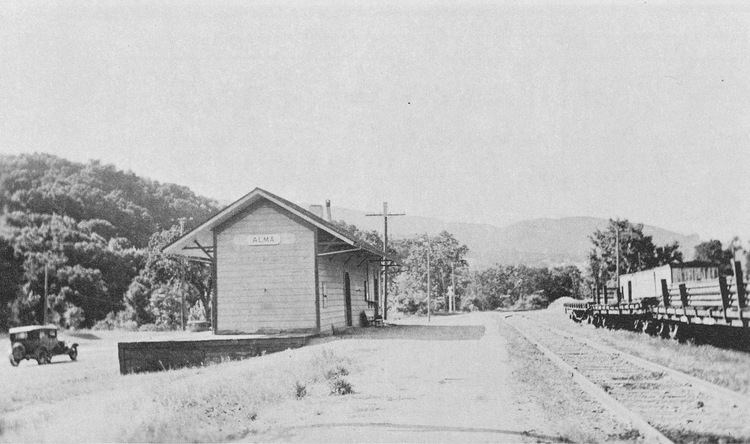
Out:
{"x": 700, "y": 438}
{"x": 82, "y": 335}
{"x": 421, "y": 428}
{"x": 418, "y": 332}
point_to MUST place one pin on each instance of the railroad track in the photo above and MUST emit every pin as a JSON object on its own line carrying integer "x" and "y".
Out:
{"x": 662, "y": 404}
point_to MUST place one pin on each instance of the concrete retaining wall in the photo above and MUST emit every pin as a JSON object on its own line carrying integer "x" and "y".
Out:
{"x": 150, "y": 356}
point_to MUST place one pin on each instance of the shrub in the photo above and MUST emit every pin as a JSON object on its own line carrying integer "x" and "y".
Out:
{"x": 165, "y": 305}
{"x": 340, "y": 386}
{"x": 197, "y": 312}
{"x": 123, "y": 320}
{"x": 74, "y": 316}
{"x": 300, "y": 390}
{"x": 148, "y": 327}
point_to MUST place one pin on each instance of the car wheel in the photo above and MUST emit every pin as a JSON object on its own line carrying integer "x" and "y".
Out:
{"x": 43, "y": 357}
{"x": 13, "y": 361}
{"x": 73, "y": 353}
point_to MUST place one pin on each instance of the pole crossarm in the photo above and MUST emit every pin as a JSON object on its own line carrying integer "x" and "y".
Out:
{"x": 389, "y": 214}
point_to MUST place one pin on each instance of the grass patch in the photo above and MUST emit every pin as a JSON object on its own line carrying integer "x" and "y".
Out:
{"x": 215, "y": 403}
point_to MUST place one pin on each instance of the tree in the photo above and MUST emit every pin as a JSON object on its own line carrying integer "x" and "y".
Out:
{"x": 133, "y": 207}
{"x": 505, "y": 286}
{"x": 90, "y": 224}
{"x": 713, "y": 251}
{"x": 636, "y": 251}
{"x": 371, "y": 237}
{"x": 447, "y": 255}
{"x": 11, "y": 275}
{"x": 83, "y": 269}
{"x": 155, "y": 294}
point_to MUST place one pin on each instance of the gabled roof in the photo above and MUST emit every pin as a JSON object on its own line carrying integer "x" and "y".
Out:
{"x": 198, "y": 241}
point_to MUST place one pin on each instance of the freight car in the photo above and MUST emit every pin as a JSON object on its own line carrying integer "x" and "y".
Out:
{"x": 675, "y": 300}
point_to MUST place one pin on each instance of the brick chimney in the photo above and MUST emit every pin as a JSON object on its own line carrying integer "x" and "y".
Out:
{"x": 328, "y": 209}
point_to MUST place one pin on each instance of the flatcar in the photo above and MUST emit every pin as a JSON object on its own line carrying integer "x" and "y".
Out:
{"x": 670, "y": 301}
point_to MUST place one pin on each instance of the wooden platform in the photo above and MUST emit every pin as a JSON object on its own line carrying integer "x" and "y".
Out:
{"x": 158, "y": 355}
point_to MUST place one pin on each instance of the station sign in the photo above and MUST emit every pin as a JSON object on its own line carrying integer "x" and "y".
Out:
{"x": 263, "y": 239}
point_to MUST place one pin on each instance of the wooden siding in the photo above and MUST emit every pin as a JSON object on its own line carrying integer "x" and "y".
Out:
{"x": 331, "y": 271}
{"x": 266, "y": 288}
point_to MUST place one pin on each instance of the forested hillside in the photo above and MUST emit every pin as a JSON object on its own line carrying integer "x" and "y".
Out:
{"x": 132, "y": 207}
{"x": 89, "y": 225}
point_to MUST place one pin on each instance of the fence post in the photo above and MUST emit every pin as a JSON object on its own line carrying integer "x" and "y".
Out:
{"x": 606, "y": 293}
{"x": 740, "y": 281}
{"x": 665, "y": 292}
{"x": 683, "y": 295}
{"x": 630, "y": 292}
{"x": 724, "y": 294}
{"x": 598, "y": 293}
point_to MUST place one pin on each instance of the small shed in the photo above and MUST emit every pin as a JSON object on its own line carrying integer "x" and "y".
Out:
{"x": 279, "y": 268}
{"x": 647, "y": 283}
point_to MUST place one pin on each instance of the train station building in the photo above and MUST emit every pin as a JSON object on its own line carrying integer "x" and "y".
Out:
{"x": 280, "y": 268}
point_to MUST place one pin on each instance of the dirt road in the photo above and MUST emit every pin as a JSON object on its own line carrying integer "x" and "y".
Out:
{"x": 464, "y": 378}
{"x": 485, "y": 387}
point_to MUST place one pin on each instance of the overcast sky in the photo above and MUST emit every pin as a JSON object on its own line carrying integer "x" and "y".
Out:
{"x": 470, "y": 112}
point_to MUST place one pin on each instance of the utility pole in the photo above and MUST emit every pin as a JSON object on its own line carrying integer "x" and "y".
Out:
{"x": 385, "y": 215}
{"x": 45, "y": 321}
{"x": 452, "y": 307}
{"x": 182, "y": 288}
{"x": 429, "y": 299}
{"x": 617, "y": 261}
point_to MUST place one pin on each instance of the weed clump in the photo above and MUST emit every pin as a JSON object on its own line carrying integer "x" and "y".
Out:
{"x": 337, "y": 371}
{"x": 300, "y": 390}
{"x": 340, "y": 386}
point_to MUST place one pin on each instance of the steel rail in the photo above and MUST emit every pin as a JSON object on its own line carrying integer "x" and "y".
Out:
{"x": 619, "y": 410}
{"x": 737, "y": 397}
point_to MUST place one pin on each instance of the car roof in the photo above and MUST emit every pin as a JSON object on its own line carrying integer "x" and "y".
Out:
{"x": 26, "y": 328}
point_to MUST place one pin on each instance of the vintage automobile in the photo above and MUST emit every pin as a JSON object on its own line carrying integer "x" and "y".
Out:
{"x": 38, "y": 342}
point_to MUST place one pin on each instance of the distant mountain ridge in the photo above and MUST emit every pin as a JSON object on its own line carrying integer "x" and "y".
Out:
{"x": 534, "y": 242}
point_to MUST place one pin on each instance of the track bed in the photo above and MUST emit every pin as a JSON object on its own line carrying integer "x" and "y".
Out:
{"x": 677, "y": 405}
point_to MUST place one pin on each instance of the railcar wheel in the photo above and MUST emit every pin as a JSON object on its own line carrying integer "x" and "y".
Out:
{"x": 576, "y": 317}
{"x": 610, "y": 322}
{"x": 675, "y": 331}
{"x": 662, "y": 329}
{"x": 647, "y": 327}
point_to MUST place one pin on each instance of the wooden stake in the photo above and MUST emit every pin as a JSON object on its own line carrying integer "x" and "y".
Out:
{"x": 740, "y": 281}
{"x": 665, "y": 292}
